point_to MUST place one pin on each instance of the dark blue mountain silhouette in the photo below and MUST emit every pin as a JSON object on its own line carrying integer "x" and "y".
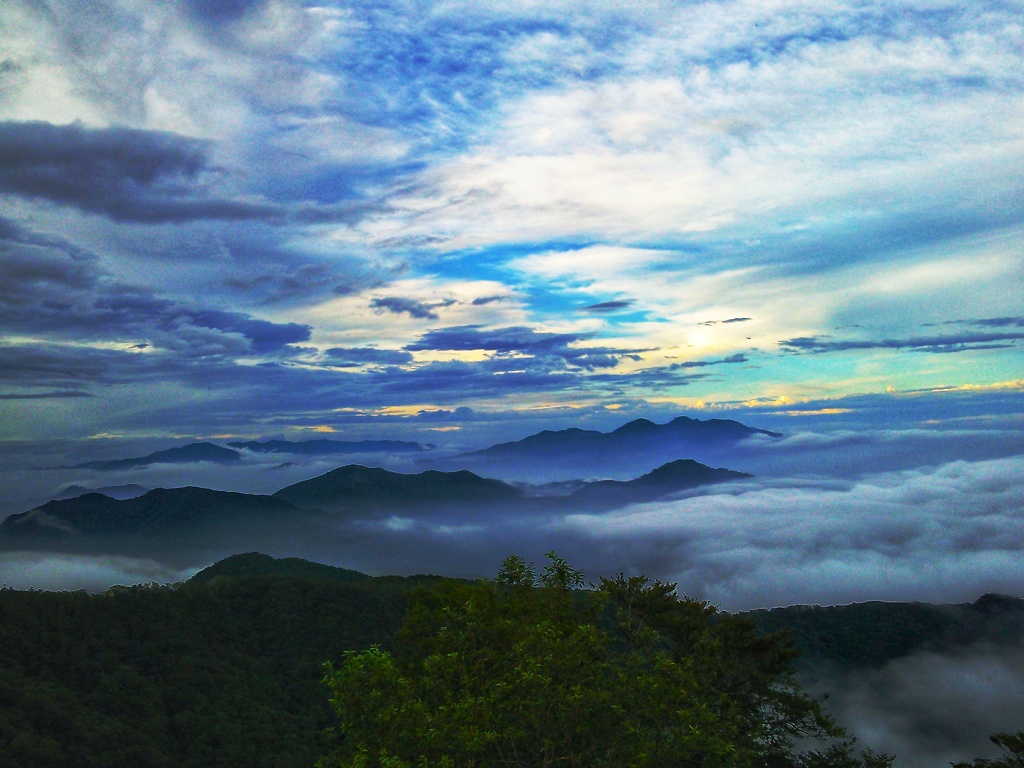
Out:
{"x": 186, "y": 454}
{"x": 330, "y": 447}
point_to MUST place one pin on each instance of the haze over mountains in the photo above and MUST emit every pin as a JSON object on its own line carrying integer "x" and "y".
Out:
{"x": 190, "y": 522}
{"x": 562, "y": 454}
{"x": 735, "y": 513}
{"x": 326, "y": 447}
{"x": 186, "y": 454}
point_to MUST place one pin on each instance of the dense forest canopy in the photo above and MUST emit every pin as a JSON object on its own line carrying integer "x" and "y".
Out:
{"x": 226, "y": 670}
{"x": 529, "y": 670}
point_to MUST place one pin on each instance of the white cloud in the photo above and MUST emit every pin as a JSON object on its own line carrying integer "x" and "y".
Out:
{"x": 693, "y": 142}
{"x": 943, "y": 535}
{"x": 46, "y": 570}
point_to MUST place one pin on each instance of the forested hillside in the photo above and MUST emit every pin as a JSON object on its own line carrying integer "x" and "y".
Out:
{"x": 220, "y": 672}
{"x": 225, "y": 670}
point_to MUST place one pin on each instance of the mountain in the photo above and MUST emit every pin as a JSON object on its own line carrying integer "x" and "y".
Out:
{"x": 258, "y": 564}
{"x": 676, "y": 476}
{"x": 186, "y": 454}
{"x": 160, "y": 511}
{"x": 871, "y": 634}
{"x": 633, "y": 448}
{"x": 129, "y": 491}
{"x": 330, "y": 447}
{"x": 358, "y": 488}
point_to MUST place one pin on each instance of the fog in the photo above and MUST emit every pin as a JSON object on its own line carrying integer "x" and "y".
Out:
{"x": 93, "y": 573}
{"x": 929, "y": 709}
{"x": 938, "y": 534}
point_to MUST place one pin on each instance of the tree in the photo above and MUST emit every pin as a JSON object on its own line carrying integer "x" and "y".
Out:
{"x": 1012, "y": 745}
{"x": 531, "y": 670}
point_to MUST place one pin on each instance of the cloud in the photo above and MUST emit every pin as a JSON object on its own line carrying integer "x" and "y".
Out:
{"x": 987, "y": 322}
{"x": 352, "y": 357}
{"x": 221, "y": 12}
{"x": 731, "y": 359}
{"x": 953, "y": 343}
{"x": 132, "y": 175}
{"x": 413, "y": 308}
{"x": 942, "y": 534}
{"x": 42, "y": 570}
{"x": 609, "y": 306}
{"x": 517, "y": 341}
{"x": 929, "y": 708}
{"x": 123, "y": 173}
{"x": 484, "y": 300}
{"x": 473, "y": 337}
{"x": 53, "y": 287}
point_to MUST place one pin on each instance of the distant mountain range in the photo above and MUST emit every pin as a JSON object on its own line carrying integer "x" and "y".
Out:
{"x": 348, "y": 493}
{"x": 210, "y": 452}
{"x": 358, "y": 488}
{"x": 129, "y": 491}
{"x": 635, "y": 447}
{"x": 679, "y": 475}
{"x": 160, "y": 511}
{"x": 871, "y": 634}
{"x": 330, "y": 447}
{"x": 186, "y": 454}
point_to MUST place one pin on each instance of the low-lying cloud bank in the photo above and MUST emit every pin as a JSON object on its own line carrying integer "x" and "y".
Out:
{"x": 930, "y": 709}
{"x": 939, "y": 535}
{"x": 944, "y": 534}
{"x": 93, "y": 573}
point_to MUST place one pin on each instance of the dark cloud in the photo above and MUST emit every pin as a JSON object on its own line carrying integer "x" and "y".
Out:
{"x": 357, "y": 356}
{"x": 737, "y": 358}
{"x": 413, "y": 308}
{"x": 52, "y": 287}
{"x": 123, "y": 173}
{"x": 655, "y": 379}
{"x": 70, "y": 393}
{"x": 449, "y": 381}
{"x": 263, "y": 335}
{"x": 68, "y": 369}
{"x": 215, "y": 12}
{"x": 482, "y": 300}
{"x": 610, "y": 306}
{"x": 133, "y": 175}
{"x": 543, "y": 347}
{"x": 725, "y": 322}
{"x": 290, "y": 282}
{"x": 510, "y": 339}
{"x": 961, "y": 342}
{"x": 985, "y": 322}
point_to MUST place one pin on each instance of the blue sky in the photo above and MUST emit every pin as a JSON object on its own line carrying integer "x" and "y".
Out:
{"x": 271, "y": 217}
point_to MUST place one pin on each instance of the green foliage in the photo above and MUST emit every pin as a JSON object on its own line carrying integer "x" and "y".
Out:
{"x": 1012, "y": 745}
{"x": 529, "y": 670}
{"x": 221, "y": 673}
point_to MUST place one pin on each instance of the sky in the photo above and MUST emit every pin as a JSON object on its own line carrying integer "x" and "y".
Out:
{"x": 275, "y": 218}
{"x": 460, "y": 223}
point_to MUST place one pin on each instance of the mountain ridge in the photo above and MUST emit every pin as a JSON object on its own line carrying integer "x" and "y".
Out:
{"x": 327, "y": 447}
{"x": 203, "y": 451}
